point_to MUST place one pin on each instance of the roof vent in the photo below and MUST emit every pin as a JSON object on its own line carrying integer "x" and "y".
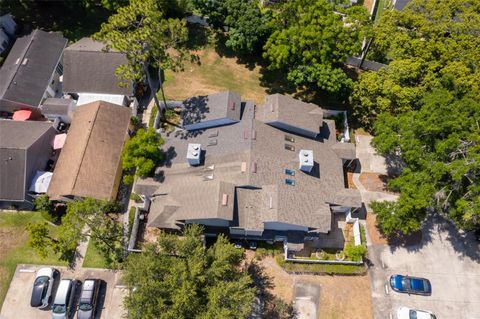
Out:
{"x": 25, "y": 61}
{"x": 305, "y": 160}
{"x": 244, "y": 167}
{"x": 245, "y": 134}
{"x": 254, "y": 167}
{"x": 17, "y": 61}
{"x": 224, "y": 199}
{"x": 193, "y": 154}
{"x": 254, "y": 134}
{"x": 270, "y": 204}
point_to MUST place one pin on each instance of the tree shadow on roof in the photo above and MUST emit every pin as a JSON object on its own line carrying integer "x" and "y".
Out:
{"x": 195, "y": 109}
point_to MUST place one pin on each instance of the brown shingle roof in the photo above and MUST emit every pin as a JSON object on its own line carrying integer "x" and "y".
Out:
{"x": 90, "y": 160}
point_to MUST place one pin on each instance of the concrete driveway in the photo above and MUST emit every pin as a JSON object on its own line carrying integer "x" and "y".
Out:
{"x": 307, "y": 297}
{"x": 450, "y": 261}
{"x": 17, "y": 300}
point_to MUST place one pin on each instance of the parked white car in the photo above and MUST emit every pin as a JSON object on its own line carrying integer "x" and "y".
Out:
{"x": 42, "y": 288}
{"x": 407, "y": 313}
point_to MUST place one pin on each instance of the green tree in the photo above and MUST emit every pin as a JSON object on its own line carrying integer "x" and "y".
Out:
{"x": 314, "y": 42}
{"x": 84, "y": 218}
{"x": 141, "y": 31}
{"x": 248, "y": 26}
{"x": 142, "y": 153}
{"x": 440, "y": 146}
{"x": 179, "y": 278}
{"x": 429, "y": 44}
{"x": 147, "y": 38}
{"x": 39, "y": 238}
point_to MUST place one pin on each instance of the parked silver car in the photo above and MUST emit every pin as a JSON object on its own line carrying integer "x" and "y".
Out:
{"x": 63, "y": 304}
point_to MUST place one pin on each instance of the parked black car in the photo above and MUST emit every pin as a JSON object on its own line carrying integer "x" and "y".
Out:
{"x": 87, "y": 304}
{"x": 42, "y": 287}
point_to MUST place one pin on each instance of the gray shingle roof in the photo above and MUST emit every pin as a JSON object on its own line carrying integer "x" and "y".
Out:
{"x": 249, "y": 153}
{"x": 89, "y": 69}
{"x": 212, "y": 107}
{"x": 345, "y": 150}
{"x": 57, "y": 106}
{"x": 26, "y": 83}
{"x": 285, "y": 109}
{"x": 16, "y": 139}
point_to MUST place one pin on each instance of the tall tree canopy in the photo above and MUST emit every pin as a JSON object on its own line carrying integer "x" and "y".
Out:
{"x": 312, "y": 41}
{"x": 102, "y": 227}
{"x": 440, "y": 145}
{"x": 142, "y": 152}
{"x": 248, "y": 26}
{"x": 429, "y": 44}
{"x": 179, "y": 278}
{"x": 146, "y": 36}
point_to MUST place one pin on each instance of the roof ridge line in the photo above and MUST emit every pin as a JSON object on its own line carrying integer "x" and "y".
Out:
{"x": 86, "y": 144}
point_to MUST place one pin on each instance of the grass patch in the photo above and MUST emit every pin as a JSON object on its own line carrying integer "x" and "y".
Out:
{"x": 93, "y": 258}
{"x": 330, "y": 269}
{"x": 382, "y": 5}
{"x": 14, "y": 247}
{"x": 153, "y": 115}
{"x": 131, "y": 220}
{"x": 265, "y": 249}
{"x": 214, "y": 73}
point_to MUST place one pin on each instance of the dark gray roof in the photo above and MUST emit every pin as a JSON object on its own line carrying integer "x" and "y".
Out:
{"x": 26, "y": 83}
{"x": 230, "y": 154}
{"x": 90, "y": 69}
{"x": 212, "y": 107}
{"x": 400, "y": 4}
{"x": 21, "y": 134}
{"x": 16, "y": 137}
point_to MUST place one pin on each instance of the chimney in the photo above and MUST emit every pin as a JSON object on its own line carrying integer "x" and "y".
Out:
{"x": 193, "y": 154}
{"x": 305, "y": 158}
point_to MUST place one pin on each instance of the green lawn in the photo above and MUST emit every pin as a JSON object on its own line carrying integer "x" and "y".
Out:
{"x": 14, "y": 247}
{"x": 382, "y": 5}
{"x": 93, "y": 259}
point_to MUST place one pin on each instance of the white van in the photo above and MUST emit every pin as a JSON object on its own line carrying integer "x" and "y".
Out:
{"x": 63, "y": 306}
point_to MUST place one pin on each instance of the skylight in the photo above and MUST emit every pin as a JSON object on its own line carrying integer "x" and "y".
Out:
{"x": 289, "y": 172}
{"x": 290, "y": 182}
{"x": 289, "y": 138}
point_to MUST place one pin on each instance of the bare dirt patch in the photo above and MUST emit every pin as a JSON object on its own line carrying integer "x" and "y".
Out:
{"x": 340, "y": 296}
{"x": 350, "y": 182}
{"x": 375, "y": 235}
{"x": 368, "y": 4}
{"x": 374, "y": 182}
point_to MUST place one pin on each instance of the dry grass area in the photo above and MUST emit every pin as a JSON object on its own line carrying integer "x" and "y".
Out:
{"x": 368, "y": 4}
{"x": 340, "y": 296}
{"x": 214, "y": 73}
{"x": 350, "y": 182}
{"x": 374, "y": 182}
{"x": 375, "y": 236}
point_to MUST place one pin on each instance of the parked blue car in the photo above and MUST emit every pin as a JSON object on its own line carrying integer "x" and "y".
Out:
{"x": 411, "y": 285}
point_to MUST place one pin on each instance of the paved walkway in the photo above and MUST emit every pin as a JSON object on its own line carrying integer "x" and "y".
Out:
{"x": 370, "y": 162}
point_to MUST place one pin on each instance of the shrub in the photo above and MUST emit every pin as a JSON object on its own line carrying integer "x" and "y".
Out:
{"x": 355, "y": 253}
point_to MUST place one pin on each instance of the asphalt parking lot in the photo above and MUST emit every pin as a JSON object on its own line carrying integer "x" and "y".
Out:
{"x": 450, "y": 261}
{"x": 307, "y": 297}
{"x": 17, "y": 301}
